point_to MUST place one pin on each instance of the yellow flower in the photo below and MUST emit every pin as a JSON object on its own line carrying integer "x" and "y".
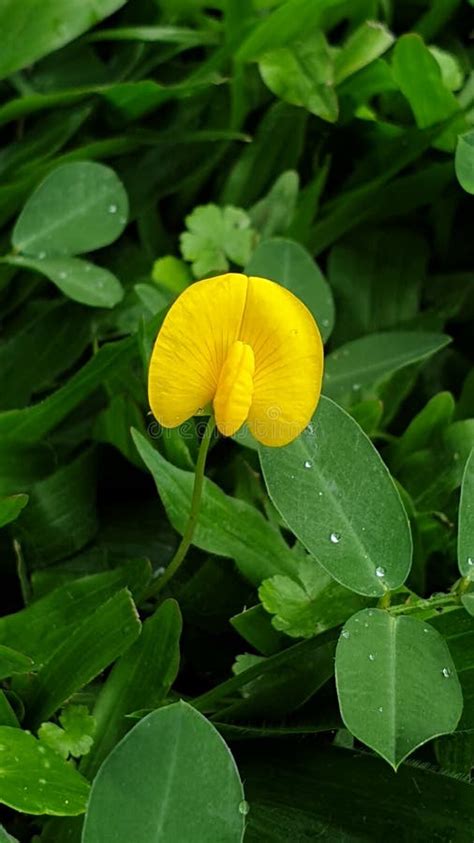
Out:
{"x": 245, "y": 345}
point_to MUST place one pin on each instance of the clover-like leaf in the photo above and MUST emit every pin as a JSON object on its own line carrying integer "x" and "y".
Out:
{"x": 76, "y": 735}
{"x": 215, "y": 237}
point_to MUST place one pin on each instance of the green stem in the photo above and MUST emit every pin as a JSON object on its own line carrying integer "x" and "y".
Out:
{"x": 422, "y": 605}
{"x": 188, "y": 534}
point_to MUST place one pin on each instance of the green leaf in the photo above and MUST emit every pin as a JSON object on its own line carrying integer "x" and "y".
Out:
{"x": 11, "y": 507}
{"x": 254, "y": 626}
{"x": 355, "y": 269}
{"x": 466, "y": 521}
{"x": 303, "y": 74}
{"x": 35, "y": 780}
{"x": 78, "y": 207}
{"x": 11, "y": 662}
{"x": 310, "y": 604}
{"x": 396, "y": 682}
{"x": 216, "y": 236}
{"x": 292, "y": 266}
{"x": 33, "y": 423}
{"x": 451, "y": 70}
{"x": 366, "y": 44}
{"x": 419, "y": 76}
{"x": 43, "y": 627}
{"x": 273, "y": 214}
{"x": 78, "y": 279}
{"x": 335, "y": 493}
{"x": 31, "y": 32}
{"x": 61, "y": 516}
{"x": 457, "y": 629}
{"x": 172, "y": 273}
{"x": 94, "y": 645}
{"x": 294, "y": 791}
{"x": 175, "y": 773}
{"x": 426, "y": 428}
{"x": 76, "y": 735}
{"x": 5, "y": 837}
{"x": 141, "y": 678}
{"x": 464, "y": 161}
{"x": 226, "y": 526}
{"x": 359, "y": 367}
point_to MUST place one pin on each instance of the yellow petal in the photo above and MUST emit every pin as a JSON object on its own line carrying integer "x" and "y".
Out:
{"x": 288, "y": 362}
{"x": 234, "y": 389}
{"x": 192, "y": 346}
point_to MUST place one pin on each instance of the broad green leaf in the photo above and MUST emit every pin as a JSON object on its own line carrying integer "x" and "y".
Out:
{"x": 419, "y": 76}
{"x": 450, "y": 66}
{"x": 302, "y": 73}
{"x": 172, "y": 273}
{"x": 175, "y": 773}
{"x": 11, "y": 507}
{"x": 273, "y": 214}
{"x": 355, "y": 269}
{"x": 31, "y": 32}
{"x": 359, "y": 367}
{"x": 464, "y": 161}
{"x": 11, "y": 662}
{"x": 294, "y": 791}
{"x": 94, "y": 645}
{"x": 396, "y": 682}
{"x": 35, "y": 780}
{"x": 293, "y": 267}
{"x": 466, "y": 521}
{"x": 216, "y": 236}
{"x": 74, "y": 736}
{"x": 335, "y": 493}
{"x": 78, "y": 279}
{"x": 78, "y": 207}
{"x": 141, "y": 678}
{"x": 41, "y": 628}
{"x": 226, "y": 526}
{"x": 310, "y": 602}
{"x": 366, "y": 44}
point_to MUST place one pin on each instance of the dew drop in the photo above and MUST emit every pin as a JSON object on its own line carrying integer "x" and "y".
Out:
{"x": 122, "y": 220}
{"x": 87, "y": 267}
{"x": 63, "y": 275}
{"x": 470, "y": 561}
{"x": 42, "y": 781}
{"x": 310, "y": 428}
{"x": 335, "y": 538}
{"x": 159, "y": 572}
{"x": 308, "y": 464}
{"x": 42, "y": 750}
{"x": 320, "y": 494}
{"x": 371, "y": 657}
{"x": 244, "y": 807}
{"x": 380, "y": 709}
{"x": 47, "y": 764}
{"x": 356, "y": 387}
{"x": 370, "y": 613}
{"x": 42, "y": 256}
{"x": 66, "y": 801}
{"x": 446, "y": 672}
{"x": 380, "y": 572}
{"x": 113, "y": 209}
{"x": 325, "y": 323}
{"x": 345, "y": 633}
{"x": 425, "y": 629}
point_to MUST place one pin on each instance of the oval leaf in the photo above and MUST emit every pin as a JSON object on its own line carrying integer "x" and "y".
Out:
{"x": 77, "y": 208}
{"x": 11, "y": 507}
{"x": 466, "y": 521}
{"x": 337, "y": 496}
{"x": 171, "y": 774}
{"x": 292, "y": 266}
{"x": 78, "y": 279}
{"x": 36, "y": 780}
{"x": 396, "y": 682}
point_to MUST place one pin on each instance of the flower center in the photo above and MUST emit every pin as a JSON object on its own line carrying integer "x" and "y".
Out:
{"x": 235, "y": 388}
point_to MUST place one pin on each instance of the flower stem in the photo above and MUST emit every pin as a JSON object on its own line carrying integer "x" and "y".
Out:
{"x": 188, "y": 534}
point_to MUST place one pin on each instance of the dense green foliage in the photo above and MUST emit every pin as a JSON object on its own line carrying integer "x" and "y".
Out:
{"x": 322, "y": 624}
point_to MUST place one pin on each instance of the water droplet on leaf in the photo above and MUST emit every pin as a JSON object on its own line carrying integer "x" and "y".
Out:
{"x": 345, "y": 633}
{"x": 446, "y": 672}
{"x": 380, "y": 572}
{"x": 308, "y": 464}
{"x": 371, "y": 657}
{"x": 113, "y": 209}
{"x": 335, "y": 538}
{"x": 244, "y": 807}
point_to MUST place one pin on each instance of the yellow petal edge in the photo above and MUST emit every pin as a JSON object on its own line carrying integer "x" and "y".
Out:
{"x": 248, "y": 346}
